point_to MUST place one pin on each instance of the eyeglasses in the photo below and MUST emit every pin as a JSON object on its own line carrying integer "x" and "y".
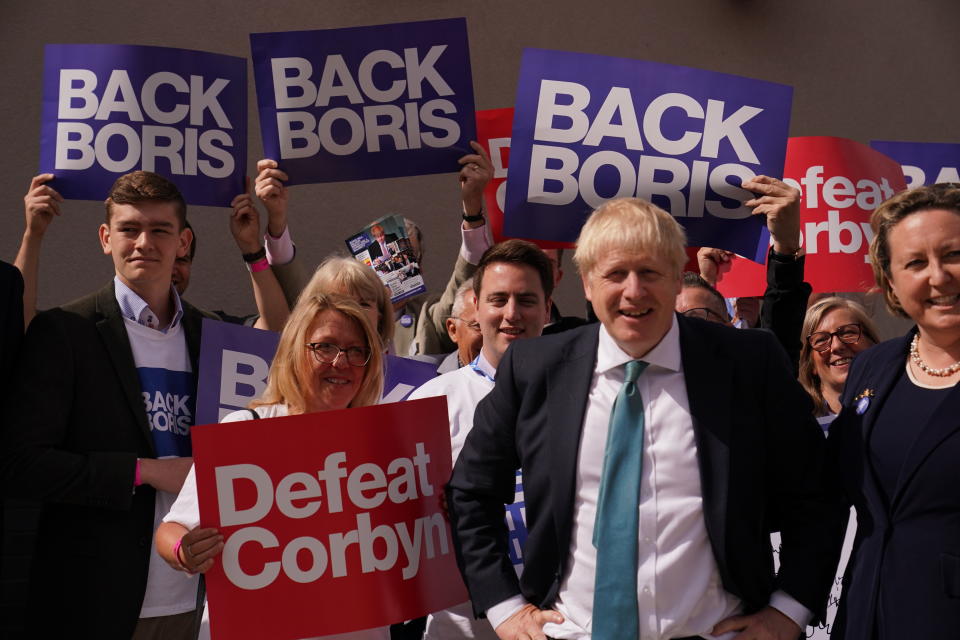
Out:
{"x": 327, "y": 353}
{"x": 704, "y": 314}
{"x": 821, "y": 340}
{"x": 473, "y": 325}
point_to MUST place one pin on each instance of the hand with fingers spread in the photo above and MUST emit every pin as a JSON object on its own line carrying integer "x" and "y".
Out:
{"x": 476, "y": 172}
{"x": 245, "y": 222}
{"x": 766, "y": 624}
{"x": 41, "y": 203}
{"x": 713, "y": 263}
{"x": 781, "y": 204}
{"x": 527, "y": 624}
{"x": 198, "y": 549}
{"x": 270, "y": 186}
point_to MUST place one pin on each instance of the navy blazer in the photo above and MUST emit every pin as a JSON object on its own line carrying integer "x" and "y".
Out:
{"x": 911, "y": 548}
{"x": 760, "y": 454}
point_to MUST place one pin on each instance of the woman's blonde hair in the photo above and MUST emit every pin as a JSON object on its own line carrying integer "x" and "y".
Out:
{"x": 350, "y": 277}
{"x": 815, "y": 314}
{"x": 944, "y": 196}
{"x": 290, "y": 380}
{"x": 632, "y": 225}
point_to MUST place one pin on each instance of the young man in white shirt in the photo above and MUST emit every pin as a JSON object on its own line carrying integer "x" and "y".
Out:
{"x": 513, "y": 285}
{"x": 98, "y": 430}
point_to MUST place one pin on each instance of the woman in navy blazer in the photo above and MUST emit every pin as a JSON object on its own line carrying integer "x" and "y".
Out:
{"x": 896, "y": 444}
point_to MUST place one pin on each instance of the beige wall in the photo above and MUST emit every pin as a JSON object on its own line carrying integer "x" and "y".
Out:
{"x": 862, "y": 70}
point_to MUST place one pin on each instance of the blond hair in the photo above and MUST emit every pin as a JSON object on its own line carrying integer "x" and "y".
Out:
{"x": 351, "y": 278}
{"x": 944, "y": 196}
{"x": 631, "y": 225}
{"x": 815, "y": 314}
{"x": 290, "y": 380}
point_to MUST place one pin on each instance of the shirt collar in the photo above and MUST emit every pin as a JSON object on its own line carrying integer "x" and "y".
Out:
{"x": 666, "y": 354}
{"x": 133, "y": 307}
{"x": 483, "y": 365}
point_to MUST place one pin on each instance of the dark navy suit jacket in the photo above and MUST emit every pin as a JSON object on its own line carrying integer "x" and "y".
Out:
{"x": 760, "y": 454}
{"x": 909, "y": 548}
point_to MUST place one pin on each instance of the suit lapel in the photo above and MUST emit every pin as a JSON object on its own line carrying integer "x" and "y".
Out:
{"x": 709, "y": 396}
{"x": 884, "y": 376}
{"x": 114, "y": 336}
{"x": 943, "y": 423}
{"x": 568, "y": 388}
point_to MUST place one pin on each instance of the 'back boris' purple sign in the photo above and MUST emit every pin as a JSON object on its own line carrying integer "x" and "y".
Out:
{"x": 589, "y": 128}
{"x": 112, "y": 109}
{"x": 923, "y": 162}
{"x": 365, "y": 102}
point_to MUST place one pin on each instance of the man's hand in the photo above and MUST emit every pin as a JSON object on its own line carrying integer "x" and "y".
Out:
{"x": 527, "y": 624}
{"x": 245, "y": 223}
{"x": 41, "y": 203}
{"x": 167, "y": 474}
{"x": 199, "y": 548}
{"x": 781, "y": 204}
{"x": 766, "y": 624}
{"x": 713, "y": 263}
{"x": 270, "y": 188}
{"x": 476, "y": 172}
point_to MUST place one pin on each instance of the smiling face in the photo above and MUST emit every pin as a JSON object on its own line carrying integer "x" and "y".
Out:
{"x": 333, "y": 384}
{"x": 510, "y": 305}
{"x": 925, "y": 269}
{"x": 144, "y": 240}
{"x": 832, "y": 365}
{"x": 633, "y": 295}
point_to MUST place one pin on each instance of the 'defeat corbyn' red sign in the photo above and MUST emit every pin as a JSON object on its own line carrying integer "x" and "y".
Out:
{"x": 332, "y": 522}
{"x": 841, "y": 182}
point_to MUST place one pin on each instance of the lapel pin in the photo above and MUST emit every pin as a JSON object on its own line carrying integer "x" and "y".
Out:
{"x": 863, "y": 401}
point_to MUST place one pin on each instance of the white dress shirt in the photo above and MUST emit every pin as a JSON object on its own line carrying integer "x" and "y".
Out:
{"x": 679, "y": 590}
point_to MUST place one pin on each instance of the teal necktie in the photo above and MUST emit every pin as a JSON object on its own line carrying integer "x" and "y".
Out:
{"x": 616, "y": 528}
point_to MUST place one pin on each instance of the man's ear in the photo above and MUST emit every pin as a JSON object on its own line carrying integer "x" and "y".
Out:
{"x": 549, "y": 305}
{"x": 451, "y": 329}
{"x": 186, "y": 238}
{"x": 585, "y": 278}
{"x": 104, "y": 233}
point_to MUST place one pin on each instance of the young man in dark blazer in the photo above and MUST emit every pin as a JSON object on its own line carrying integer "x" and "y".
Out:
{"x": 84, "y": 433}
{"x": 706, "y": 451}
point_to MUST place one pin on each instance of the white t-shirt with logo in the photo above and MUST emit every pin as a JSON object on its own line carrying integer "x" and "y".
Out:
{"x": 168, "y": 385}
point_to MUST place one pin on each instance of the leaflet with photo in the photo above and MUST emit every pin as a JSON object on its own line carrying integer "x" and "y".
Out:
{"x": 384, "y": 247}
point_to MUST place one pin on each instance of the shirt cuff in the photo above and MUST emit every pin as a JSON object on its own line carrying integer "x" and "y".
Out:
{"x": 498, "y": 613}
{"x": 788, "y": 606}
{"x": 475, "y": 242}
{"x": 279, "y": 250}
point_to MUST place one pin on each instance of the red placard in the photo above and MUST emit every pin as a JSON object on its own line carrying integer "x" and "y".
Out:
{"x": 332, "y": 521}
{"x": 494, "y": 127}
{"x": 841, "y": 182}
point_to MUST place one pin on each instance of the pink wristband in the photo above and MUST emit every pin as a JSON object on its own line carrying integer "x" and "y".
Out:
{"x": 258, "y": 266}
{"x": 136, "y": 475}
{"x": 176, "y": 555}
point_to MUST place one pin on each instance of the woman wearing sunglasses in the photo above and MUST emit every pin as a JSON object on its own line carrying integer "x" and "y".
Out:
{"x": 329, "y": 358}
{"x": 896, "y": 444}
{"x": 834, "y": 331}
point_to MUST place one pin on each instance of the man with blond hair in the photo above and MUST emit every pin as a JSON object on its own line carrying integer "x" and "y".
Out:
{"x": 658, "y": 452}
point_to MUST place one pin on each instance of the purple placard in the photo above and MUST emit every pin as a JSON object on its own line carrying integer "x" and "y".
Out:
{"x": 365, "y": 102}
{"x": 588, "y": 128}
{"x": 923, "y": 162}
{"x": 235, "y": 360}
{"x": 111, "y": 109}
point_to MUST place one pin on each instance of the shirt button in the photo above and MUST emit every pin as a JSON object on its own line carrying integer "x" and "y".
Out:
{"x": 646, "y": 590}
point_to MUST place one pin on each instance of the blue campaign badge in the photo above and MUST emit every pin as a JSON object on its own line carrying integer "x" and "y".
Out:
{"x": 862, "y": 405}
{"x": 406, "y": 320}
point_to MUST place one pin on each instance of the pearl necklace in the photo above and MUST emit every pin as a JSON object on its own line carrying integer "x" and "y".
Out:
{"x": 939, "y": 373}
